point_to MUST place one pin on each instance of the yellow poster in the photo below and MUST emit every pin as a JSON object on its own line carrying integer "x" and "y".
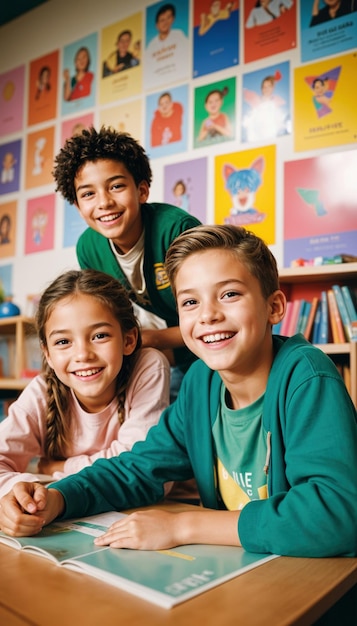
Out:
{"x": 325, "y": 108}
{"x": 121, "y": 62}
{"x": 125, "y": 118}
{"x": 245, "y": 190}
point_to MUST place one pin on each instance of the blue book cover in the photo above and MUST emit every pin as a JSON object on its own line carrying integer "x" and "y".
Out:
{"x": 347, "y": 296}
{"x": 316, "y": 326}
{"x": 323, "y": 330}
{"x": 346, "y": 321}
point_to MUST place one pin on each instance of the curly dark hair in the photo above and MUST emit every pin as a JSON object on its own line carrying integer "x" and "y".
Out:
{"x": 91, "y": 145}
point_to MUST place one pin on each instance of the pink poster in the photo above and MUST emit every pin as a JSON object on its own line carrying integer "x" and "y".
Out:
{"x": 12, "y": 101}
{"x": 320, "y": 217}
{"x": 40, "y": 220}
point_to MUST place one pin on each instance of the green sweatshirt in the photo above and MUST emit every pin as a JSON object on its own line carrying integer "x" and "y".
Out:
{"x": 162, "y": 224}
{"x": 312, "y": 506}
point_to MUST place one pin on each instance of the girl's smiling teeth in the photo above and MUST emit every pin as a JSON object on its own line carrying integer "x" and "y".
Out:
{"x": 86, "y": 373}
{"x": 217, "y": 337}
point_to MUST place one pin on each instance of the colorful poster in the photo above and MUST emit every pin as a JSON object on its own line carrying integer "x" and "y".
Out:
{"x": 12, "y": 96}
{"x": 42, "y": 99}
{"x": 185, "y": 186}
{"x": 167, "y": 47}
{"x": 320, "y": 217}
{"x": 75, "y": 126}
{"x": 40, "y": 224}
{"x": 125, "y": 118}
{"x": 39, "y": 157}
{"x": 121, "y": 62}
{"x": 269, "y": 28}
{"x": 6, "y": 282}
{"x": 214, "y": 120}
{"x": 8, "y": 215}
{"x": 266, "y": 103}
{"x": 245, "y": 190}
{"x": 327, "y": 28}
{"x": 10, "y": 162}
{"x": 73, "y": 225}
{"x": 325, "y": 111}
{"x": 78, "y": 76}
{"x": 167, "y": 122}
{"x": 215, "y": 36}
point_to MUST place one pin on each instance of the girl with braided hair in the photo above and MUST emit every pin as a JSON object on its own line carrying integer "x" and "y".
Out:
{"x": 99, "y": 391}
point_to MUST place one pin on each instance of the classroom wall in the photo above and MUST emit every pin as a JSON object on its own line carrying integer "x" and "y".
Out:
{"x": 58, "y": 23}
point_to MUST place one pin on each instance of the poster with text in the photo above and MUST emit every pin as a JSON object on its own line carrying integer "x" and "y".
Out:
{"x": 245, "y": 190}
{"x": 125, "y": 118}
{"x": 214, "y": 118}
{"x": 12, "y": 92}
{"x": 8, "y": 216}
{"x": 39, "y": 157}
{"x": 266, "y": 103}
{"x": 320, "y": 217}
{"x": 167, "y": 56}
{"x": 185, "y": 186}
{"x": 75, "y": 126}
{"x": 10, "y": 163}
{"x": 73, "y": 225}
{"x": 325, "y": 29}
{"x": 78, "y": 82}
{"x": 43, "y": 85}
{"x": 215, "y": 36}
{"x": 269, "y": 28}
{"x": 167, "y": 122}
{"x": 325, "y": 111}
{"x": 40, "y": 224}
{"x": 121, "y": 59}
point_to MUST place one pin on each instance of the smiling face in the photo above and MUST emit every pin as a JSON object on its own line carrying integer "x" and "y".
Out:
{"x": 224, "y": 318}
{"x": 110, "y": 202}
{"x": 85, "y": 348}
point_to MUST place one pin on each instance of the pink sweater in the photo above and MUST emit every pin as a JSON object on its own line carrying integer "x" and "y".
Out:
{"x": 95, "y": 435}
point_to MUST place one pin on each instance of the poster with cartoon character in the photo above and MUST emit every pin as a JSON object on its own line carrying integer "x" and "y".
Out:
{"x": 12, "y": 91}
{"x": 40, "y": 222}
{"x": 185, "y": 186}
{"x": 10, "y": 161}
{"x": 215, "y": 36}
{"x": 39, "y": 157}
{"x": 245, "y": 190}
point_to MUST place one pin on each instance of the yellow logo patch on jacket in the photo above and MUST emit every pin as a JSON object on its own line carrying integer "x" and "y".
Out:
{"x": 161, "y": 279}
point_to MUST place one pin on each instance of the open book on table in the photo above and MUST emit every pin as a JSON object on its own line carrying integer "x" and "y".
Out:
{"x": 164, "y": 577}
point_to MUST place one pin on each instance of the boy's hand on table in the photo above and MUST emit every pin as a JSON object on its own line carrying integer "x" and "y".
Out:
{"x": 27, "y": 508}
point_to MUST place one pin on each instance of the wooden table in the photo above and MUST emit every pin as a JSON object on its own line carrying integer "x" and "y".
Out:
{"x": 284, "y": 591}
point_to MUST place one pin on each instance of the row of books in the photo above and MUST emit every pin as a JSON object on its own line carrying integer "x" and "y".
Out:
{"x": 328, "y": 318}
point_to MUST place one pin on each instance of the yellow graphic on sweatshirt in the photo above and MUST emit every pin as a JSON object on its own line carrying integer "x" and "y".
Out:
{"x": 233, "y": 495}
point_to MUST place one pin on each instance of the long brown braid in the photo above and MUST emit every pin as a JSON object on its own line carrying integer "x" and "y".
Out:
{"x": 109, "y": 292}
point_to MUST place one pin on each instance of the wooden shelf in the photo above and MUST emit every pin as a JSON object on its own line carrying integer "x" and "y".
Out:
{"x": 16, "y": 329}
{"x": 307, "y": 281}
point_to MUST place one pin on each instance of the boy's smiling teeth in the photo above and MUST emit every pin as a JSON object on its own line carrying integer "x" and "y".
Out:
{"x": 85, "y": 373}
{"x": 109, "y": 218}
{"x": 216, "y": 337}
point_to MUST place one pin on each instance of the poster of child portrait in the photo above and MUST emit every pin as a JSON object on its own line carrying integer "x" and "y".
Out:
{"x": 327, "y": 27}
{"x": 78, "y": 74}
{"x": 167, "y": 56}
{"x": 121, "y": 59}
{"x": 167, "y": 120}
{"x": 75, "y": 126}
{"x": 8, "y": 216}
{"x": 269, "y": 28}
{"x": 185, "y": 186}
{"x": 266, "y": 103}
{"x": 214, "y": 120}
{"x": 43, "y": 86}
{"x": 215, "y": 36}
{"x": 40, "y": 222}
{"x": 10, "y": 162}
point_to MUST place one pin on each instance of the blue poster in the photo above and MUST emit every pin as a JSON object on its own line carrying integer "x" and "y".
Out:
{"x": 326, "y": 30}
{"x": 215, "y": 37}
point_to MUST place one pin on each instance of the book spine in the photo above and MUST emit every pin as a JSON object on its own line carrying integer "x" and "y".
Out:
{"x": 304, "y": 315}
{"x": 352, "y": 313}
{"x": 291, "y": 330}
{"x": 343, "y": 311}
{"x": 317, "y": 322}
{"x": 338, "y": 333}
{"x": 323, "y": 330}
{"x": 311, "y": 318}
{"x": 286, "y": 318}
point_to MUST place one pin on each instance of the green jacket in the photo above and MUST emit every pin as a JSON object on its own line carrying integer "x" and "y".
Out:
{"x": 312, "y": 506}
{"x": 162, "y": 224}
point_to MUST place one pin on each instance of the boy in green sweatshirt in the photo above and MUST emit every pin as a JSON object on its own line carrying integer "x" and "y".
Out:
{"x": 264, "y": 423}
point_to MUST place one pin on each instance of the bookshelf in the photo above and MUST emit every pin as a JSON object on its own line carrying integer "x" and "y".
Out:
{"x": 15, "y": 332}
{"x": 309, "y": 281}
